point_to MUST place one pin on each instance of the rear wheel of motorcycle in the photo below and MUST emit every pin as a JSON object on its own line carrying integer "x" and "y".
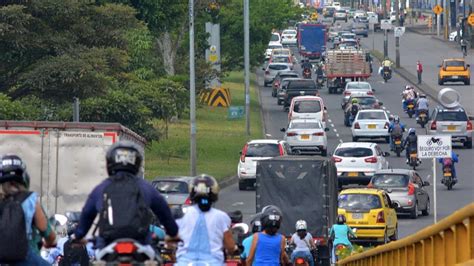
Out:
{"x": 397, "y": 150}
{"x": 449, "y": 184}
{"x": 410, "y": 114}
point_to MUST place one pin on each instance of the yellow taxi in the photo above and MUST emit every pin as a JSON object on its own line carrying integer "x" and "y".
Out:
{"x": 454, "y": 70}
{"x": 371, "y": 212}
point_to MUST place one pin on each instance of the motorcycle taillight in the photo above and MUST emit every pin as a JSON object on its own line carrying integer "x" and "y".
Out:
{"x": 125, "y": 248}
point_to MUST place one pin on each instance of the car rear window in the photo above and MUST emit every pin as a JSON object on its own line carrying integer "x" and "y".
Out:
{"x": 170, "y": 187}
{"x": 353, "y": 152}
{"x": 451, "y": 116}
{"x": 366, "y": 100}
{"x": 280, "y": 59}
{"x": 371, "y": 116}
{"x": 262, "y": 150}
{"x": 289, "y": 32}
{"x": 280, "y": 52}
{"x": 359, "y": 201}
{"x": 302, "y": 84}
{"x": 288, "y": 76}
{"x": 277, "y": 67}
{"x": 307, "y": 106}
{"x": 307, "y": 125}
{"x": 275, "y": 38}
{"x": 454, "y": 63}
{"x": 358, "y": 86}
{"x": 390, "y": 180}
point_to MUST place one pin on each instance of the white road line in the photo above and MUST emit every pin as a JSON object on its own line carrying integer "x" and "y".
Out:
{"x": 337, "y": 135}
{"x": 340, "y": 141}
{"x": 330, "y": 121}
{"x": 332, "y": 125}
{"x": 335, "y": 130}
{"x": 388, "y": 111}
{"x": 385, "y": 108}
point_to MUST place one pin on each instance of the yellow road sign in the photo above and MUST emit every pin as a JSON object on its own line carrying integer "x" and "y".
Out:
{"x": 314, "y": 16}
{"x": 437, "y": 9}
{"x": 470, "y": 19}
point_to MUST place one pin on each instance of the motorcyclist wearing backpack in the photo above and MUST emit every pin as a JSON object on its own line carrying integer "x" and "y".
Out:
{"x": 205, "y": 231}
{"x": 340, "y": 233}
{"x": 26, "y": 224}
{"x": 422, "y": 105}
{"x": 351, "y": 111}
{"x": 303, "y": 241}
{"x": 454, "y": 159}
{"x": 396, "y": 129}
{"x": 255, "y": 226}
{"x": 410, "y": 143}
{"x": 128, "y": 200}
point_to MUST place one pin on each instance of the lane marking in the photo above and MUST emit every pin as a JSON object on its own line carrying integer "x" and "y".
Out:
{"x": 340, "y": 141}
{"x": 337, "y": 135}
{"x": 335, "y": 130}
{"x": 330, "y": 121}
{"x": 332, "y": 125}
{"x": 237, "y": 203}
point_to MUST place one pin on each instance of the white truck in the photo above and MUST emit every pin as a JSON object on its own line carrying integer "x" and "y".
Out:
{"x": 65, "y": 160}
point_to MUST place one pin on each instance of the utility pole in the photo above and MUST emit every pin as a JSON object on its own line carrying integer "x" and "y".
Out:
{"x": 438, "y": 21}
{"x": 385, "y": 44}
{"x": 192, "y": 91}
{"x": 397, "y": 52}
{"x": 446, "y": 19}
{"x": 247, "y": 66}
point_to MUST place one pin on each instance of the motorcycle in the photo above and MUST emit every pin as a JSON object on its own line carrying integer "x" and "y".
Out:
{"x": 448, "y": 180}
{"x": 320, "y": 80}
{"x": 410, "y": 108}
{"x": 307, "y": 73}
{"x": 397, "y": 141}
{"x": 125, "y": 251}
{"x": 413, "y": 161}
{"x": 386, "y": 74}
{"x": 422, "y": 118}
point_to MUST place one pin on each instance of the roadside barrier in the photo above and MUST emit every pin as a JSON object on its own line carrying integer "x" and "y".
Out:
{"x": 448, "y": 242}
{"x": 217, "y": 97}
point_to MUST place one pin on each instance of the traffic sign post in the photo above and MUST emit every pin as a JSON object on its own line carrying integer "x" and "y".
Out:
{"x": 470, "y": 19}
{"x": 437, "y": 9}
{"x": 432, "y": 146}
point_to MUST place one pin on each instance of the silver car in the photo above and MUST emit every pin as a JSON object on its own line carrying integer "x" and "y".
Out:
{"x": 405, "y": 189}
{"x": 306, "y": 136}
{"x": 355, "y": 89}
{"x": 272, "y": 69}
{"x": 174, "y": 189}
{"x": 454, "y": 122}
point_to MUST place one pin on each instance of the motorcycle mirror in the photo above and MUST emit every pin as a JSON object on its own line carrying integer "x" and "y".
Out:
{"x": 60, "y": 219}
{"x": 426, "y": 183}
{"x": 380, "y": 103}
{"x": 386, "y": 154}
{"x": 326, "y": 129}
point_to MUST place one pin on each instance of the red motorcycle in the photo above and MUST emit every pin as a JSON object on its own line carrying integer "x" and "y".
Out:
{"x": 307, "y": 73}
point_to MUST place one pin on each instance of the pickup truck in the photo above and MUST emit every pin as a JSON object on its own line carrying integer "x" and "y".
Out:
{"x": 299, "y": 87}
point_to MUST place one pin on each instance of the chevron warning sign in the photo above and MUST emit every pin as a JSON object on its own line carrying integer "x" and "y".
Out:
{"x": 217, "y": 97}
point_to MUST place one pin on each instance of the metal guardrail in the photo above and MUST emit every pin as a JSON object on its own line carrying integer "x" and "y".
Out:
{"x": 448, "y": 242}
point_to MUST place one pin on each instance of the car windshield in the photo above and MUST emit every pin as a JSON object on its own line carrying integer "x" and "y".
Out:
{"x": 289, "y": 32}
{"x": 309, "y": 106}
{"x": 366, "y": 100}
{"x": 305, "y": 125}
{"x": 358, "y": 86}
{"x": 170, "y": 187}
{"x": 390, "y": 180}
{"x": 371, "y": 116}
{"x": 275, "y": 38}
{"x": 454, "y": 63}
{"x": 451, "y": 116}
{"x": 353, "y": 152}
{"x": 281, "y": 52}
{"x": 262, "y": 150}
{"x": 277, "y": 67}
{"x": 280, "y": 59}
{"x": 348, "y": 36}
{"x": 359, "y": 201}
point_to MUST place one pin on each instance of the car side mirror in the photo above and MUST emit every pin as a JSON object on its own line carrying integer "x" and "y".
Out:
{"x": 468, "y": 65}
{"x": 385, "y": 154}
{"x": 263, "y": 68}
{"x": 426, "y": 183}
{"x": 283, "y": 129}
{"x": 380, "y": 103}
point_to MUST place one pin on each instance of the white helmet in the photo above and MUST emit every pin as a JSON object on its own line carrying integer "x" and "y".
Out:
{"x": 301, "y": 225}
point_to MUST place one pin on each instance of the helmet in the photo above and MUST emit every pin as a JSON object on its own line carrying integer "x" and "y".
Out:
{"x": 124, "y": 156}
{"x": 341, "y": 219}
{"x": 396, "y": 119}
{"x": 301, "y": 225}
{"x": 422, "y": 95}
{"x": 204, "y": 186}
{"x": 271, "y": 217}
{"x": 412, "y": 131}
{"x": 12, "y": 168}
{"x": 407, "y": 87}
{"x": 256, "y": 223}
{"x": 391, "y": 117}
{"x": 355, "y": 100}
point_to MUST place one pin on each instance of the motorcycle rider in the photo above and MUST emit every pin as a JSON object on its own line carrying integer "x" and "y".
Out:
{"x": 352, "y": 109}
{"x": 124, "y": 160}
{"x": 303, "y": 241}
{"x": 408, "y": 94}
{"x": 319, "y": 71}
{"x": 15, "y": 182}
{"x": 256, "y": 226}
{"x": 410, "y": 143}
{"x": 268, "y": 246}
{"x": 205, "y": 231}
{"x": 454, "y": 159}
{"x": 396, "y": 129}
{"x": 386, "y": 66}
{"x": 422, "y": 104}
{"x": 340, "y": 233}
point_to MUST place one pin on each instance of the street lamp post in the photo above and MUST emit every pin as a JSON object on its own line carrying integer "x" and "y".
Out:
{"x": 247, "y": 66}
{"x": 192, "y": 91}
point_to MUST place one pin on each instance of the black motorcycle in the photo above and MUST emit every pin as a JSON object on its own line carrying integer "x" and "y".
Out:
{"x": 397, "y": 143}
{"x": 386, "y": 74}
{"x": 448, "y": 179}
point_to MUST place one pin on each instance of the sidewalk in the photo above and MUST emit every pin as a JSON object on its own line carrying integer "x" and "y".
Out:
{"x": 430, "y": 52}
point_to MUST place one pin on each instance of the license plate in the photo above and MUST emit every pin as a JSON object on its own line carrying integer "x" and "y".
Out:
{"x": 352, "y": 174}
{"x": 412, "y": 155}
{"x": 357, "y": 216}
{"x": 372, "y": 126}
{"x": 398, "y": 142}
{"x": 447, "y": 174}
{"x": 451, "y": 128}
{"x": 305, "y": 137}
{"x": 454, "y": 77}
{"x": 411, "y": 106}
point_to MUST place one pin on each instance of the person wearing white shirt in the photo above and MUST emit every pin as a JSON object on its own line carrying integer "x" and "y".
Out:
{"x": 303, "y": 242}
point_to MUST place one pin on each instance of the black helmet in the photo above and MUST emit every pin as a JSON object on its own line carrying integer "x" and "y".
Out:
{"x": 124, "y": 156}
{"x": 271, "y": 217}
{"x": 204, "y": 186}
{"x": 341, "y": 219}
{"x": 12, "y": 168}
{"x": 256, "y": 223}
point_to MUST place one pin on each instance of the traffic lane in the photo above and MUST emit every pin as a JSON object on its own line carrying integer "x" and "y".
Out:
{"x": 232, "y": 199}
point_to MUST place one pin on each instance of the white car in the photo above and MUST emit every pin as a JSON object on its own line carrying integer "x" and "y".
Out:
{"x": 359, "y": 13}
{"x": 356, "y": 162}
{"x": 270, "y": 48}
{"x": 393, "y": 17}
{"x": 275, "y": 39}
{"x": 282, "y": 52}
{"x": 254, "y": 151}
{"x": 288, "y": 37}
{"x": 453, "y": 36}
{"x": 336, "y": 5}
{"x": 355, "y": 89}
{"x": 340, "y": 15}
{"x": 306, "y": 136}
{"x": 271, "y": 71}
{"x": 308, "y": 107}
{"x": 372, "y": 123}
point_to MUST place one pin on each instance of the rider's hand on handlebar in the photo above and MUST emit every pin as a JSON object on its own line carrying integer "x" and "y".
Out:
{"x": 172, "y": 241}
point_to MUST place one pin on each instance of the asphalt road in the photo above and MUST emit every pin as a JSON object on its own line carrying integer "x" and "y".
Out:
{"x": 447, "y": 201}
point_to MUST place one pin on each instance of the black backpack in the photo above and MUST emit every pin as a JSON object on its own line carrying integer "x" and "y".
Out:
{"x": 13, "y": 238}
{"x": 124, "y": 213}
{"x": 354, "y": 109}
{"x": 74, "y": 255}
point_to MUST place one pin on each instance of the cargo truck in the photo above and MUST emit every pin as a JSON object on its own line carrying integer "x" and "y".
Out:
{"x": 304, "y": 188}
{"x": 312, "y": 40}
{"x": 65, "y": 160}
{"x": 343, "y": 66}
